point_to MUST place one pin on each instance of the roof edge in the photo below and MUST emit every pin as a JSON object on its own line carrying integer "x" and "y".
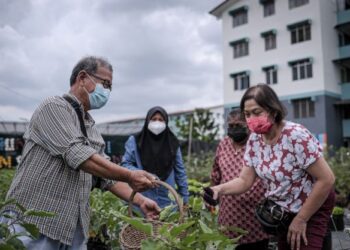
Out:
{"x": 218, "y": 10}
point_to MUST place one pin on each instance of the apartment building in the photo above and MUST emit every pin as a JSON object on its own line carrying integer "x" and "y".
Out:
{"x": 302, "y": 49}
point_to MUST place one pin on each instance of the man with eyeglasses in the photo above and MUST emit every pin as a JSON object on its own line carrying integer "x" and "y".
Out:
{"x": 63, "y": 150}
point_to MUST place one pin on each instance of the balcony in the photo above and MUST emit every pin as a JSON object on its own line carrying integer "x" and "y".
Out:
{"x": 345, "y": 91}
{"x": 346, "y": 128}
{"x": 344, "y": 52}
{"x": 343, "y": 17}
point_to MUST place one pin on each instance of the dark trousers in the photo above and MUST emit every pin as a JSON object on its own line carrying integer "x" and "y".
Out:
{"x": 317, "y": 228}
{"x": 261, "y": 245}
{"x": 327, "y": 241}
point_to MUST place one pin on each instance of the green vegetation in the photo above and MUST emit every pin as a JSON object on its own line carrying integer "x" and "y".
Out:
{"x": 6, "y": 176}
{"x": 9, "y": 239}
{"x": 340, "y": 164}
{"x": 204, "y": 127}
{"x": 338, "y": 211}
{"x": 200, "y": 166}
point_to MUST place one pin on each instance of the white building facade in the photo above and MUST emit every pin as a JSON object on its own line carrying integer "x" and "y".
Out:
{"x": 300, "y": 48}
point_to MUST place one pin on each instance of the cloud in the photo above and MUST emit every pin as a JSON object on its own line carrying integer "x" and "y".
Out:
{"x": 164, "y": 53}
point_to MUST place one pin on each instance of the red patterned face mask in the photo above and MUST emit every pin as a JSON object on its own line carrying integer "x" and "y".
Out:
{"x": 259, "y": 124}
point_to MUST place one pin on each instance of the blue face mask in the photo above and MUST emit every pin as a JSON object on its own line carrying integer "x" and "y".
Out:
{"x": 99, "y": 97}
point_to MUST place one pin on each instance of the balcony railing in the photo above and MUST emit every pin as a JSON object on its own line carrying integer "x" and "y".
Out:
{"x": 343, "y": 17}
{"x": 344, "y": 52}
{"x": 345, "y": 91}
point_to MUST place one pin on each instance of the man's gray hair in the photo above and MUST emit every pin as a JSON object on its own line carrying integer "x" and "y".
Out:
{"x": 90, "y": 64}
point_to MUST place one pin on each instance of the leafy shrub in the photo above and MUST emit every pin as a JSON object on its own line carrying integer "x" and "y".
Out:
{"x": 199, "y": 231}
{"x": 340, "y": 164}
{"x": 338, "y": 211}
{"x": 105, "y": 222}
{"x": 200, "y": 165}
{"x": 8, "y": 238}
{"x": 6, "y": 176}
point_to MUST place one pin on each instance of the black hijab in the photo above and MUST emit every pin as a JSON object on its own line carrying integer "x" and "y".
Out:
{"x": 157, "y": 152}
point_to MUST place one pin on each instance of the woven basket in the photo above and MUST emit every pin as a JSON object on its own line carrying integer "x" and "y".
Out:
{"x": 131, "y": 238}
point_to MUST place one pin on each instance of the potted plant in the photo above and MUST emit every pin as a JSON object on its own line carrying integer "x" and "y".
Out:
{"x": 337, "y": 219}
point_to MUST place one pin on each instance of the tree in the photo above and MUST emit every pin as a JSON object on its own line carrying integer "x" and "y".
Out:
{"x": 204, "y": 127}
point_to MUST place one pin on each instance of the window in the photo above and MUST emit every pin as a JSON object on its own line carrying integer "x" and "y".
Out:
{"x": 344, "y": 74}
{"x": 269, "y": 7}
{"x": 240, "y": 48}
{"x": 345, "y": 114}
{"x": 270, "y": 41}
{"x": 343, "y": 5}
{"x": 240, "y": 80}
{"x": 297, "y": 3}
{"x": 303, "y": 108}
{"x": 301, "y": 69}
{"x": 239, "y": 16}
{"x": 271, "y": 74}
{"x": 344, "y": 39}
{"x": 300, "y": 32}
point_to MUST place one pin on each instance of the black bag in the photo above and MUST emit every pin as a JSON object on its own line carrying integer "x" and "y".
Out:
{"x": 272, "y": 217}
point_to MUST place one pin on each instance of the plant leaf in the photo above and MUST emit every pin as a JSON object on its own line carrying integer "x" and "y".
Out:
{"x": 4, "y": 246}
{"x": 4, "y": 231}
{"x": 211, "y": 237}
{"x": 38, "y": 213}
{"x": 166, "y": 212}
{"x": 204, "y": 227}
{"x": 151, "y": 244}
{"x": 7, "y": 202}
{"x": 15, "y": 243}
{"x": 177, "y": 229}
{"x": 32, "y": 229}
{"x": 138, "y": 223}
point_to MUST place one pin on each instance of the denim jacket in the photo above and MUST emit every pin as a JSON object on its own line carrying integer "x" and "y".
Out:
{"x": 131, "y": 160}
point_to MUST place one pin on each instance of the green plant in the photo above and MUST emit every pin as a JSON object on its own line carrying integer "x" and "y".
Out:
{"x": 201, "y": 232}
{"x": 196, "y": 187}
{"x": 338, "y": 211}
{"x": 204, "y": 126}
{"x": 8, "y": 238}
{"x": 339, "y": 161}
{"x": 105, "y": 222}
{"x": 198, "y": 231}
{"x": 6, "y": 176}
{"x": 200, "y": 166}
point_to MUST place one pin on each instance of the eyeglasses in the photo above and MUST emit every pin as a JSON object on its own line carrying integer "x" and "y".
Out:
{"x": 105, "y": 83}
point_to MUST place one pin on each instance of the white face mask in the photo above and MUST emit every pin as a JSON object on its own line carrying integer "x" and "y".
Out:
{"x": 156, "y": 127}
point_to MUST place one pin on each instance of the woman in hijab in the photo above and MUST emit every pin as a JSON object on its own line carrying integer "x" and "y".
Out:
{"x": 156, "y": 150}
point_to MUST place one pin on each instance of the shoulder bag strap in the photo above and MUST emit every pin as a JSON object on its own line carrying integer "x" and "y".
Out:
{"x": 96, "y": 181}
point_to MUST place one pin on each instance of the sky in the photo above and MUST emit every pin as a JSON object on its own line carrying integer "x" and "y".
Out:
{"x": 164, "y": 52}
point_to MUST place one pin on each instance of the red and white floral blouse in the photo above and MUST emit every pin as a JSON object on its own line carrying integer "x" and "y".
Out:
{"x": 282, "y": 166}
{"x": 237, "y": 210}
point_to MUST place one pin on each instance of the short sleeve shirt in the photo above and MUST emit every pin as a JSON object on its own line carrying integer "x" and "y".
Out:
{"x": 282, "y": 166}
{"x": 237, "y": 210}
{"x": 49, "y": 176}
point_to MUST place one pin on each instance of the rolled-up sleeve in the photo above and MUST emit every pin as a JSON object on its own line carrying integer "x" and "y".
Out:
{"x": 77, "y": 154}
{"x": 60, "y": 134}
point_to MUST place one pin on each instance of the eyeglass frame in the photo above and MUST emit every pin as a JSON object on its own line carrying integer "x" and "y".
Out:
{"x": 105, "y": 83}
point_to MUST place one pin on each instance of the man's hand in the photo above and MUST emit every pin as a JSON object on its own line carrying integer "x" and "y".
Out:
{"x": 296, "y": 232}
{"x": 140, "y": 180}
{"x": 149, "y": 208}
